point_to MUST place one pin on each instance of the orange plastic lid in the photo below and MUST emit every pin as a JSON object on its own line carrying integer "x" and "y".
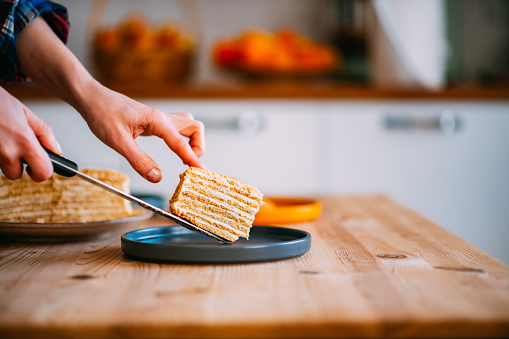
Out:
{"x": 285, "y": 210}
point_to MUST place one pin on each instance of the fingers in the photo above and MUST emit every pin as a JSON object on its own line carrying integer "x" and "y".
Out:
{"x": 18, "y": 142}
{"x": 39, "y": 166}
{"x": 185, "y": 124}
{"x": 32, "y": 153}
{"x": 11, "y": 165}
{"x": 196, "y": 142}
{"x": 185, "y": 151}
{"x": 173, "y": 128}
{"x": 140, "y": 161}
{"x": 195, "y": 131}
{"x": 43, "y": 132}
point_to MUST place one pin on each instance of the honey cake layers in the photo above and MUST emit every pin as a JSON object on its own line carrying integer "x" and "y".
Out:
{"x": 216, "y": 203}
{"x": 63, "y": 200}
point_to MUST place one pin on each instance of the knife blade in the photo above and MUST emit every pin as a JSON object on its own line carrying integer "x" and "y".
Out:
{"x": 68, "y": 168}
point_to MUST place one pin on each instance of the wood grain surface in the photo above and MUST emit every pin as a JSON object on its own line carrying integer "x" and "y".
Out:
{"x": 375, "y": 270}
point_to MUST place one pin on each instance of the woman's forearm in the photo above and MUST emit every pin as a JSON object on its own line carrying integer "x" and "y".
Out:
{"x": 45, "y": 59}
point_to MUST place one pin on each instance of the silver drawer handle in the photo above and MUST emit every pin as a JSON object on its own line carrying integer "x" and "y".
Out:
{"x": 248, "y": 123}
{"x": 446, "y": 122}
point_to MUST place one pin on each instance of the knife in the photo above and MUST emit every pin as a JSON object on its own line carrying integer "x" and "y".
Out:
{"x": 68, "y": 168}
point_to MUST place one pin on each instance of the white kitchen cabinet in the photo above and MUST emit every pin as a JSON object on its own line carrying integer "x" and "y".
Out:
{"x": 460, "y": 180}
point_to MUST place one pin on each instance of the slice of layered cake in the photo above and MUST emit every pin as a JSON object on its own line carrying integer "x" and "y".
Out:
{"x": 63, "y": 200}
{"x": 216, "y": 203}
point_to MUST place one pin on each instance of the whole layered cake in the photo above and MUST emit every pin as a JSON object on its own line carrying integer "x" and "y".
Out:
{"x": 64, "y": 200}
{"x": 216, "y": 203}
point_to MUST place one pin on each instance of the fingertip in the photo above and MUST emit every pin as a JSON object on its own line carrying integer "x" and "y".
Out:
{"x": 43, "y": 132}
{"x": 51, "y": 143}
{"x": 12, "y": 174}
{"x": 140, "y": 161}
{"x": 57, "y": 149}
{"x": 205, "y": 168}
{"x": 199, "y": 164}
{"x": 154, "y": 175}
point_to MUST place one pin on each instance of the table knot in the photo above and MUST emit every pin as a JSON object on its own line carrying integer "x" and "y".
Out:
{"x": 460, "y": 269}
{"x": 82, "y": 276}
{"x": 308, "y": 272}
{"x": 391, "y": 256}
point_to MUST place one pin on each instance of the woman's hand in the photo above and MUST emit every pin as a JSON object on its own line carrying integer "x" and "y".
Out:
{"x": 118, "y": 120}
{"x": 114, "y": 118}
{"x": 21, "y": 135}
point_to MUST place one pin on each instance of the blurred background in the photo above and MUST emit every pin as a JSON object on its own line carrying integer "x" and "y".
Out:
{"x": 459, "y": 41}
{"x": 404, "y": 98}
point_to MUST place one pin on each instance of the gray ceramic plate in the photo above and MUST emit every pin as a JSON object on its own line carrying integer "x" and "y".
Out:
{"x": 63, "y": 232}
{"x": 179, "y": 245}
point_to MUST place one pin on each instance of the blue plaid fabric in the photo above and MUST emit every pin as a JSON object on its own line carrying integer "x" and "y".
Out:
{"x": 14, "y": 16}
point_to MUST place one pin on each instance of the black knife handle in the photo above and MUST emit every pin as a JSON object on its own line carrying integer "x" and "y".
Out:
{"x": 56, "y": 160}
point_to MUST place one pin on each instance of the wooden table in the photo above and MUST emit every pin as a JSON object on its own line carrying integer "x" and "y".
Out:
{"x": 265, "y": 90}
{"x": 375, "y": 269}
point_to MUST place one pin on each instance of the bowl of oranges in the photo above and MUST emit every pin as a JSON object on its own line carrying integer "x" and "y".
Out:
{"x": 284, "y": 52}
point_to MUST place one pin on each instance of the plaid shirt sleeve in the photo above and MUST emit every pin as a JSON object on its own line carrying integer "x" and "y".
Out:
{"x": 14, "y": 16}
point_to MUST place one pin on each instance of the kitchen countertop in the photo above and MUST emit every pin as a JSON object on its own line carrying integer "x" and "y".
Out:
{"x": 375, "y": 269}
{"x": 282, "y": 90}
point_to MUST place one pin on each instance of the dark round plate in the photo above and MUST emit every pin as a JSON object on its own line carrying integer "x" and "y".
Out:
{"x": 178, "y": 244}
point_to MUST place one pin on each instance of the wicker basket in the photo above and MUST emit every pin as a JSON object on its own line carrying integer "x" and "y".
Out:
{"x": 140, "y": 66}
{"x": 135, "y": 52}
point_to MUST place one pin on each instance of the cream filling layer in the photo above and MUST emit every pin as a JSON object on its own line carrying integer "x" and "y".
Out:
{"x": 229, "y": 197}
{"x": 211, "y": 221}
{"x": 214, "y": 206}
{"x": 224, "y": 185}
